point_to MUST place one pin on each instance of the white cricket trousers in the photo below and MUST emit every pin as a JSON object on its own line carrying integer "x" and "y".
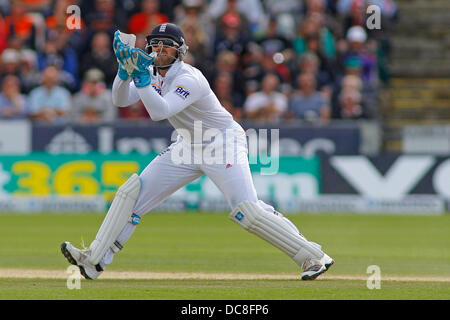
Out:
{"x": 163, "y": 176}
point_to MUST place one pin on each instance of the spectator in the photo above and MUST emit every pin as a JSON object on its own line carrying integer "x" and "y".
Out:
{"x": 324, "y": 8}
{"x": 359, "y": 59}
{"x": 268, "y": 104}
{"x": 251, "y": 87}
{"x": 93, "y": 105}
{"x": 57, "y": 53}
{"x": 194, "y": 13}
{"x": 279, "y": 55}
{"x": 13, "y": 104}
{"x": 169, "y": 8}
{"x": 3, "y": 33}
{"x": 309, "y": 63}
{"x": 250, "y": 11}
{"x": 19, "y": 23}
{"x": 350, "y": 105}
{"x": 358, "y": 49}
{"x": 29, "y": 75}
{"x": 75, "y": 38}
{"x": 227, "y": 103}
{"x": 149, "y": 17}
{"x": 101, "y": 57}
{"x": 252, "y": 65}
{"x": 104, "y": 17}
{"x": 388, "y": 7}
{"x": 227, "y": 62}
{"x": 10, "y": 62}
{"x": 196, "y": 35}
{"x": 230, "y": 35}
{"x": 277, "y": 7}
{"x": 307, "y": 103}
{"x": 36, "y": 5}
{"x": 273, "y": 42}
{"x": 236, "y": 43}
{"x": 50, "y": 102}
{"x": 230, "y": 99}
{"x": 271, "y": 64}
{"x": 286, "y": 13}
{"x": 286, "y": 23}
{"x": 313, "y": 35}
{"x": 58, "y": 15}
{"x": 351, "y": 82}
{"x": 354, "y": 14}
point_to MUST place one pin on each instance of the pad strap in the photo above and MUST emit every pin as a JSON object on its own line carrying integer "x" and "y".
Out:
{"x": 135, "y": 219}
{"x": 116, "y": 247}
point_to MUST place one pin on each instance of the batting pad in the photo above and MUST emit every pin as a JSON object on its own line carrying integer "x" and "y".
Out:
{"x": 275, "y": 230}
{"x": 117, "y": 217}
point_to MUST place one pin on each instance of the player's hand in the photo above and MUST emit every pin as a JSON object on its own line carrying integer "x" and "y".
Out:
{"x": 119, "y": 50}
{"x": 122, "y": 54}
{"x": 141, "y": 59}
{"x": 133, "y": 60}
{"x": 117, "y": 42}
{"x": 136, "y": 63}
{"x": 123, "y": 39}
{"x": 122, "y": 44}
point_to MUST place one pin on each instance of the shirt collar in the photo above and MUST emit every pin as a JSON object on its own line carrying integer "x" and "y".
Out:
{"x": 173, "y": 70}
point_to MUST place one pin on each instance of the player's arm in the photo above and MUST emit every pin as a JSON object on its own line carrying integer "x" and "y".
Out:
{"x": 124, "y": 92}
{"x": 183, "y": 93}
{"x": 136, "y": 62}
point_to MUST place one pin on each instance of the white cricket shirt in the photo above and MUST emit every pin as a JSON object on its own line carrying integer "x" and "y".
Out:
{"x": 182, "y": 97}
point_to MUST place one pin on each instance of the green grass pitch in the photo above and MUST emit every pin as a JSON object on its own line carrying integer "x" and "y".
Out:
{"x": 411, "y": 251}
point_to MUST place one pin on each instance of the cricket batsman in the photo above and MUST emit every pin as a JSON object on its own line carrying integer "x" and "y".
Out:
{"x": 173, "y": 90}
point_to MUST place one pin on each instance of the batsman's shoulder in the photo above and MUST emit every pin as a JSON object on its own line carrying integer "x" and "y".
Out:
{"x": 190, "y": 77}
{"x": 194, "y": 76}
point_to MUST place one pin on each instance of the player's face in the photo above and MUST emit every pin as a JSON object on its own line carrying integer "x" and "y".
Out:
{"x": 166, "y": 50}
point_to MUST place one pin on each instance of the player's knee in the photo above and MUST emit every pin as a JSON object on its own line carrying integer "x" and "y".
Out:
{"x": 237, "y": 198}
{"x": 131, "y": 187}
{"x": 247, "y": 213}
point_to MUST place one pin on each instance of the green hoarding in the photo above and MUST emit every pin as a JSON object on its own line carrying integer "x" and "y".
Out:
{"x": 42, "y": 175}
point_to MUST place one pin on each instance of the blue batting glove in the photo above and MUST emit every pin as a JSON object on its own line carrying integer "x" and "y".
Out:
{"x": 141, "y": 63}
{"x": 122, "y": 73}
{"x": 122, "y": 54}
{"x": 116, "y": 41}
{"x": 120, "y": 50}
{"x": 134, "y": 62}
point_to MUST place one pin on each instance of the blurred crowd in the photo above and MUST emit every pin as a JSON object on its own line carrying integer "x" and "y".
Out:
{"x": 268, "y": 60}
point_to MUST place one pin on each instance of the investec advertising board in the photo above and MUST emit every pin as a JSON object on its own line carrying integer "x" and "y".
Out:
{"x": 43, "y": 182}
{"x": 141, "y": 138}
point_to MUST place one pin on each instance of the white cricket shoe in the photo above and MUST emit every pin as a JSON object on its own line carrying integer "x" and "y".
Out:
{"x": 80, "y": 258}
{"x": 312, "y": 268}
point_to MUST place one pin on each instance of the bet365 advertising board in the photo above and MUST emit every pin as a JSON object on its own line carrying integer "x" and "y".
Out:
{"x": 45, "y": 182}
